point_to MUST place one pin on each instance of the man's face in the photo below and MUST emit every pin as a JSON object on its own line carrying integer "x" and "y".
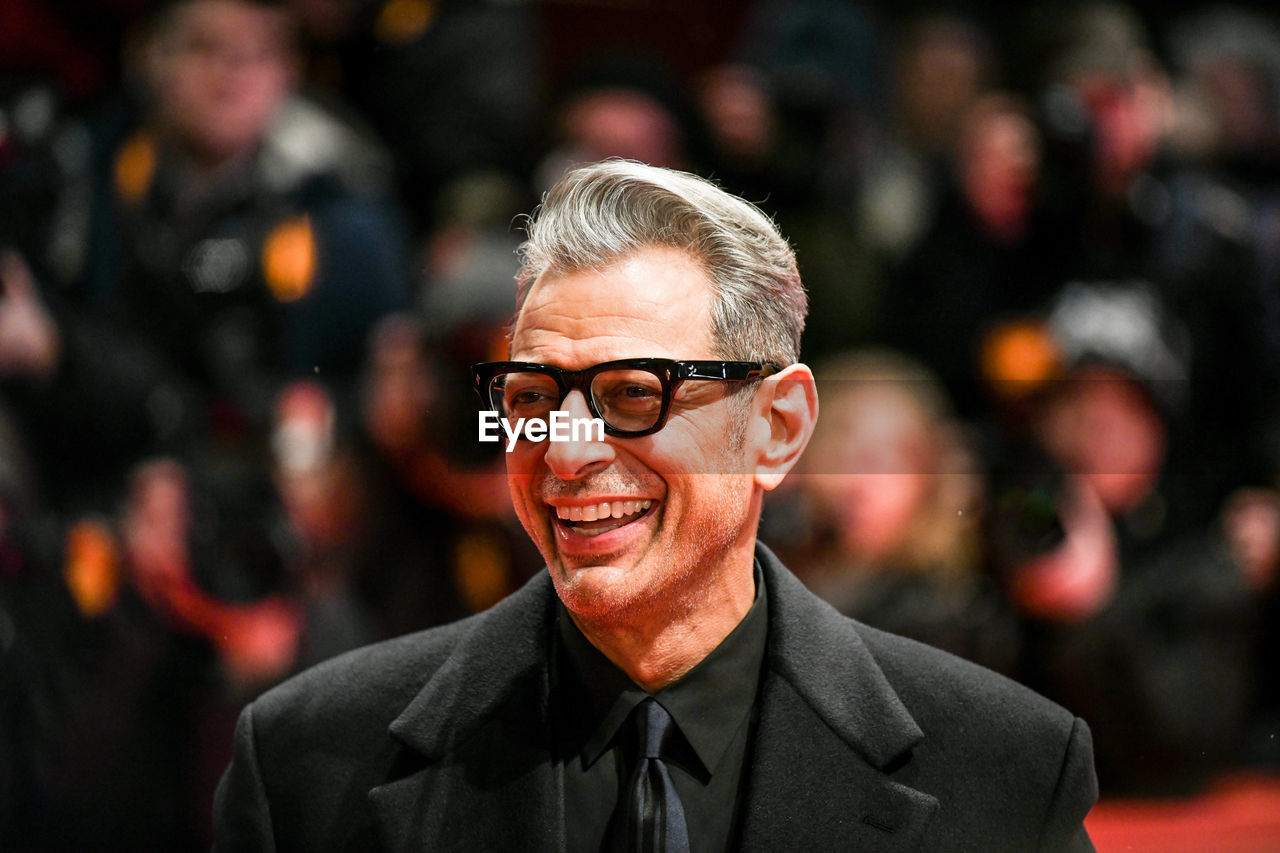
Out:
{"x": 702, "y": 501}
{"x": 222, "y": 68}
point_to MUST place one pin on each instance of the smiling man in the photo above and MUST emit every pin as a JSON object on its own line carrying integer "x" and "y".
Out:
{"x": 667, "y": 684}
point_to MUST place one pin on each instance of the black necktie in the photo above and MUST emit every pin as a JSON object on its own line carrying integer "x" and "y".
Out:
{"x": 655, "y": 817}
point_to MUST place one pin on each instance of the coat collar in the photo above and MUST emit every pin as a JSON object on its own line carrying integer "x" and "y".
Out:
{"x": 822, "y": 655}
{"x": 478, "y": 772}
{"x": 830, "y": 731}
{"x": 833, "y": 740}
{"x": 506, "y": 646}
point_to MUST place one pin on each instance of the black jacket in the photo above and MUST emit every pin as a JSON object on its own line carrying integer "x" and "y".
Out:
{"x": 864, "y": 741}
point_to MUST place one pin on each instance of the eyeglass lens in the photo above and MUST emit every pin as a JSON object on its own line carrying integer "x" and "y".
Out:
{"x": 628, "y": 400}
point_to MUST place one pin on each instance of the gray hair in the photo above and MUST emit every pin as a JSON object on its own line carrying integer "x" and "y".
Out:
{"x": 603, "y": 212}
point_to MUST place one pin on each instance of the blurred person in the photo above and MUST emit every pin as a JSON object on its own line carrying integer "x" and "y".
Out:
{"x": 620, "y": 124}
{"x": 228, "y": 242}
{"x": 445, "y": 542}
{"x": 1138, "y": 617}
{"x": 247, "y": 196}
{"x": 896, "y": 501}
{"x": 404, "y": 581}
{"x": 1127, "y": 102}
{"x": 230, "y": 250}
{"x": 323, "y": 492}
{"x": 739, "y": 111}
{"x": 237, "y": 641}
{"x": 941, "y": 64}
{"x": 999, "y": 156}
{"x": 990, "y": 255}
{"x": 1227, "y": 218}
{"x": 184, "y": 563}
{"x": 257, "y": 641}
{"x": 124, "y": 665}
{"x": 631, "y": 107}
{"x": 455, "y": 88}
{"x": 783, "y": 114}
{"x": 787, "y": 119}
{"x": 1251, "y": 524}
{"x": 667, "y": 683}
{"x": 234, "y": 240}
{"x": 1133, "y": 207}
{"x": 1228, "y": 64}
{"x": 1105, "y": 100}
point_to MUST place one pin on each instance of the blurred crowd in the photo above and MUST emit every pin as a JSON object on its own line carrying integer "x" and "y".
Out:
{"x": 249, "y": 247}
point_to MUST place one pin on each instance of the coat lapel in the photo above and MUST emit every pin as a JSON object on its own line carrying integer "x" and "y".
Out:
{"x": 829, "y": 769}
{"x": 833, "y": 741}
{"x": 475, "y": 770}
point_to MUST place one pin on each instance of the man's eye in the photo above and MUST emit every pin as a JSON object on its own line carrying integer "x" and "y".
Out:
{"x": 639, "y": 392}
{"x": 525, "y": 399}
{"x": 528, "y": 397}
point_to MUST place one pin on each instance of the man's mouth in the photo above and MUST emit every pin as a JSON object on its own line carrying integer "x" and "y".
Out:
{"x": 595, "y": 519}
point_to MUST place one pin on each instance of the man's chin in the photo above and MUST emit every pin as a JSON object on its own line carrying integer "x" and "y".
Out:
{"x": 593, "y": 588}
{"x": 602, "y": 571}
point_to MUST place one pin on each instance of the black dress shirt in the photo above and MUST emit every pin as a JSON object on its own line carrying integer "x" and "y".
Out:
{"x": 712, "y": 706}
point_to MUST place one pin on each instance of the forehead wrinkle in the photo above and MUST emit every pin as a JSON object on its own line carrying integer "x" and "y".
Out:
{"x": 587, "y": 352}
{"x": 601, "y": 315}
{"x": 643, "y": 338}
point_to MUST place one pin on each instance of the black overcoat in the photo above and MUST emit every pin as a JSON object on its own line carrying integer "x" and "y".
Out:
{"x": 442, "y": 740}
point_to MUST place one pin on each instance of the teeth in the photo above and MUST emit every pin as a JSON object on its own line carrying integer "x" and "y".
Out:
{"x": 602, "y": 510}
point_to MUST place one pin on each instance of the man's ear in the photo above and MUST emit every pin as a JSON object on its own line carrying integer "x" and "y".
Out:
{"x": 789, "y": 407}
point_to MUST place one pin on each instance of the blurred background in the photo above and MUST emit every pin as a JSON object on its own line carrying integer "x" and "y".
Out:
{"x": 249, "y": 247}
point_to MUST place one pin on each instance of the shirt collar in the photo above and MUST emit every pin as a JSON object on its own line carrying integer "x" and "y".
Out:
{"x": 708, "y": 703}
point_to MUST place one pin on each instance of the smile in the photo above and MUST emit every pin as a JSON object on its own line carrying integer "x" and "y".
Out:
{"x": 595, "y": 519}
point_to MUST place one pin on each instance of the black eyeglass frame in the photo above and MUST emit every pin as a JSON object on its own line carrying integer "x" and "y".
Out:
{"x": 670, "y": 374}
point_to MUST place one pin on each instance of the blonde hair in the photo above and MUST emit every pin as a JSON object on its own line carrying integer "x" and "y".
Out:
{"x": 942, "y": 538}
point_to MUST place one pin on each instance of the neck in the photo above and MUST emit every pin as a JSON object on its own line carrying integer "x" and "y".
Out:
{"x": 204, "y": 164}
{"x": 654, "y": 649}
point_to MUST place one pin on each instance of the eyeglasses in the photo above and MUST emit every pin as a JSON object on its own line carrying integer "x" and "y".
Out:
{"x": 632, "y": 396}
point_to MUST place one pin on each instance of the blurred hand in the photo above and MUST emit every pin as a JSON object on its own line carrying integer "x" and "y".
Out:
{"x": 29, "y": 342}
{"x": 155, "y": 526}
{"x": 259, "y": 642}
{"x": 1075, "y": 580}
{"x": 1251, "y": 523}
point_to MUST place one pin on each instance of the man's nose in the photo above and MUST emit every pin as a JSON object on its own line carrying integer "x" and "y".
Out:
{"x": 580, "y": 456}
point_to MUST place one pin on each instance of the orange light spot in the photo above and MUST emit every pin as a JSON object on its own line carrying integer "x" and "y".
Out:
{"x": 480, "y": 566}
{"x": 135, "y": 166}
{"x": 402, "y": 21}
{"x": 92, "y": 570}
{"x": 499, "y": 345}
{"x": 289, "y": 259}
{"x": 1019, "y": 357}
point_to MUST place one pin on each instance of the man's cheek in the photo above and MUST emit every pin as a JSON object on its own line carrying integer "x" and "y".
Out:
{"x": 527, "y": 506}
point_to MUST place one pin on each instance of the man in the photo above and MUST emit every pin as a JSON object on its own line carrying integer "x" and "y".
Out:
{"x": 782, "y": 725}
{"x": 222, "y": 238}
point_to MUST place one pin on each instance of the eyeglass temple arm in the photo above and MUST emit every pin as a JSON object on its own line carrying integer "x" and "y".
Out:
{"x": 727, "y": 371}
